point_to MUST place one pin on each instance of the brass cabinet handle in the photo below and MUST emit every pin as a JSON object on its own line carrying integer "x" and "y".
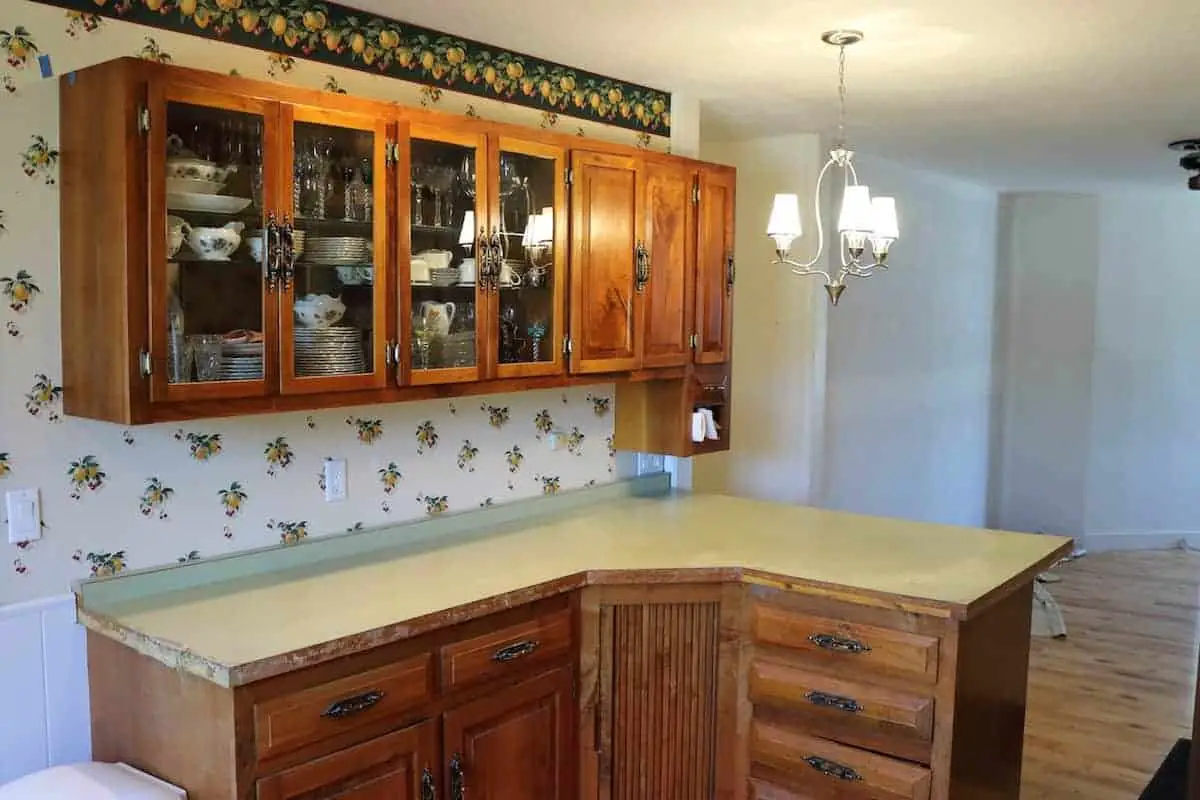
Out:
{"x": 458, "y": 787}
{"x": 730, "y": 273}
{"x": 515, "y": 651}
{"x": 497, "y": 248}
{"x": 827, "y": 641}
{"x": 832, "y": 769}
{"x": 483, "y": 259}
{"x": 287, "y": 252}
{"x": 641, "y": 272}
{"x": 352, "y": 705}
{"x": 427, "y": 789}
{"x": 271, "y": 252}
{"x": 847, "y": 704}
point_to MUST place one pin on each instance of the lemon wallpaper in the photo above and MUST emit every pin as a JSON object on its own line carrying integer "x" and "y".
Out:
{"x": 115, "y": 499}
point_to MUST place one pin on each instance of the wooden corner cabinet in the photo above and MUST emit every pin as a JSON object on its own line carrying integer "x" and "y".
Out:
{"x": 232, "y": 246}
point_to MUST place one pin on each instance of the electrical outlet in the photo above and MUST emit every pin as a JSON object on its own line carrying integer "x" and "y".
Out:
{"x": 24, "y": 515}
{"x": 335, "y": 480}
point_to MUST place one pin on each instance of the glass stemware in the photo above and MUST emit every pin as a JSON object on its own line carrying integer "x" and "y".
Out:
{"x": 441, "y": 180}
{"x": 420, "y": 178}
{"x": 466, "y": 176}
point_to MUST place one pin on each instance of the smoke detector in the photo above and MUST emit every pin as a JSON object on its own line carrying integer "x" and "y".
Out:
{"x": 1190, "y": 160}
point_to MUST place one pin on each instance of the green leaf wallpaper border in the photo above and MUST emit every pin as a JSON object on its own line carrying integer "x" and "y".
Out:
{"x": 334, "y": 34}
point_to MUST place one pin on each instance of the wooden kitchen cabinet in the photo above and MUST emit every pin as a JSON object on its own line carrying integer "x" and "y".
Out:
{"x": 255, "y": 247}
{"x": 715, "y": 266}
{"x": 606, "y": 245}
{"x": 515, "y": 744}
{"x": 397, "y": 766}
{"x": 667, "y": 297}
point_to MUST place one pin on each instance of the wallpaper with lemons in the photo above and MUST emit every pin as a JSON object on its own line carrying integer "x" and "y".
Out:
{"x": 116, "y": 499}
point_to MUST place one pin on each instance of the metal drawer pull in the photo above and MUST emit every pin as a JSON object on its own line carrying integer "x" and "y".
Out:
{"x": 833, "y": 701}
{"x": 832, "y": 769}
{"x": 515, "y": 651}
{"x": 458, "y": 782}
{"x": 827, "y": 641}
{"x": 352, "y": 705}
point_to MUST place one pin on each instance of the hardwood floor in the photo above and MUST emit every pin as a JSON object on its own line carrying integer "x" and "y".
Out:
{"x": 1106, "y": 704}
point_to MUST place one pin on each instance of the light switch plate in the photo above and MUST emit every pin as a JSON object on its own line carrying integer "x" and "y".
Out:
{"x": 335, "y": 480}
{"x": 24, "y": 509}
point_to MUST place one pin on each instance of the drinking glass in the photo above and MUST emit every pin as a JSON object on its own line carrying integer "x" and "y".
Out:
{"x": 466, "y": 176}
{"x": 206, "y": 350}
{"x": 420, "y": 179}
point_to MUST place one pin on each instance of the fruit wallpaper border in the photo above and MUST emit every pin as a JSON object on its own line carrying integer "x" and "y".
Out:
{"x": 115, "y": 499}
{"x": 346, "y": 37}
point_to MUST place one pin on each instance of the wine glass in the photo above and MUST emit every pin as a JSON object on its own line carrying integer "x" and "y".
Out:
{"x": 441, "y": 180}
{"x": 466, "y": 175}
{"x": 420, "y": 178}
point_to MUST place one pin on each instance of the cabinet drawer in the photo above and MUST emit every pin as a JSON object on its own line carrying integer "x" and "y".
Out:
{"x": 506, "y": 651}
{"x": 852, "y": 712}
{"x": 371, "y": 698}
{"x": 849, "y": 647}
{"x": 824, "y": 769}
{"x": 761, "y": 790}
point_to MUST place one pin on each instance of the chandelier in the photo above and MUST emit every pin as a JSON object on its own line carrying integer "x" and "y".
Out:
{"x": 862, "y": 218}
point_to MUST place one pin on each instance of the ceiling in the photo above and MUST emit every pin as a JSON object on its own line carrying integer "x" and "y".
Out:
{"x": 1021, "y": 94}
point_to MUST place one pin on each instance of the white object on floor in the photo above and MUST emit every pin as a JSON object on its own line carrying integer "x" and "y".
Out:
{"x": 91, "y": 781}
{"x": 1047, "y": 616}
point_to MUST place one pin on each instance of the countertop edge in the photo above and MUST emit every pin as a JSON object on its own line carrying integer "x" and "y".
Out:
{"x": 176, "y": 656}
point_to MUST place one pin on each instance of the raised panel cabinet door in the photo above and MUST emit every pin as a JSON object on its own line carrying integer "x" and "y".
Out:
{"x": 398, "y": 766}
{"x": 670, "y": 265}
{"x": 606, "y": 233}
{"x": 514, "y": 744}
{"x": 715, "y": 267}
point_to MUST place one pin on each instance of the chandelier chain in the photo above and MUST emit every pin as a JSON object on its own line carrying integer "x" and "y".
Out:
{"x": 841, "y": 140}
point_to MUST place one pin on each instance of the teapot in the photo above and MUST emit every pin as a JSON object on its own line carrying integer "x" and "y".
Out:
{"x": 215, "y": 244}
{"x": 318, "y": 310}
{"x": 437, "y": 316}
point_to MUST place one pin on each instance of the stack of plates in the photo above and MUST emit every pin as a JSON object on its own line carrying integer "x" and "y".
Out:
{"x": 329, "y": 351}
{"x": 342, "y": 250}
{"x": 444, "y": 277}
{"x": 242, "y": 361}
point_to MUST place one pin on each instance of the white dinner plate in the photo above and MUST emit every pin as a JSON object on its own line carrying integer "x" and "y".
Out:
{"x": 211, "y": 203}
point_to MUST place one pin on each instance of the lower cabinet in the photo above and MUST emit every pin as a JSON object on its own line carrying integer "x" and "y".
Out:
{"x": 397, "y": 766}
{"x": 513, "y": 744}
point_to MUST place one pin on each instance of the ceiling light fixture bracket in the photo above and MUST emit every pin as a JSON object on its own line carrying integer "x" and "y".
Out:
{"x": 842, "y": 37}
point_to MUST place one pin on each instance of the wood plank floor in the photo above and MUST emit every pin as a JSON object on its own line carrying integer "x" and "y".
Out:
{"x": 1106, "y": 704}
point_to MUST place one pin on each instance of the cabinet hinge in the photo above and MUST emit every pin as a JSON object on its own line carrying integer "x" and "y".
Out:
{"x": 143, "y": 119}
{"x": 568, "y": 348}
{"x": 694, "y": 341}
{"x": 696, "y": 193}
{"x": 388, "y": 155}
{"x": 395, "y": 152}
{"x": 145, "y": 365}
{"x": 569, "y": 177}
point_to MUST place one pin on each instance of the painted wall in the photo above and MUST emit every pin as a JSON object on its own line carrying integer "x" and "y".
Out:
{"x": 1047, "y": 314}
{"x": 908, "y": 377}
{"x": 778, "y": 336}
{"x": 1142, "y": 476}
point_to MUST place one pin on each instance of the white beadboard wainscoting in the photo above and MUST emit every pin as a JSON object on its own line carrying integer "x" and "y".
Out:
{"x": 44, "y": 717}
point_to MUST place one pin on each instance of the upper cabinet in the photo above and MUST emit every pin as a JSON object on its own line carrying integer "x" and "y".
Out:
{"x": 715, "y": 267}
{"x": 258, "y": 247}
{"x": 608, "y": 261}
{"x": 668, "y": 208}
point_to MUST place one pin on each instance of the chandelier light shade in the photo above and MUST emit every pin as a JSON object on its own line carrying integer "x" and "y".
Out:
{"x": 862, "y": 219}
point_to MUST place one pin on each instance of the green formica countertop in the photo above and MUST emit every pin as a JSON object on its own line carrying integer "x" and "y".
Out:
{"x": 244, "y": 618}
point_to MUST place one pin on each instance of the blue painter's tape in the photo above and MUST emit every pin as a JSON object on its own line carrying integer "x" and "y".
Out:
{"x": 44, "y": 64}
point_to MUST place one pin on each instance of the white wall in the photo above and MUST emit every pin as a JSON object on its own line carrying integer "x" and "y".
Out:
{"x": 909, "y": 359}
{"x": 43, "y": 687}
{"x": 778, "y": 336}
{"x": 1047, "y": 321}
{"x": 1143, "y": 476}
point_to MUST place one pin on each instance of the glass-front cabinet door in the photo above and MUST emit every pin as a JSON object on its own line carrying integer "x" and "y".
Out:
{"x": 211, "y": 176}
{"x": 445, "y": 252}
{"x": 333, "y": 236}
{"x": 528, "y": 273}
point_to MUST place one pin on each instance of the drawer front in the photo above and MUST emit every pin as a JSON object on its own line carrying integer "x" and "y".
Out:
{"x": 824, "y": 769}
{"x": 761, "y": 790}
{"x": 847, "y": 711}
{"x": 507, "y": 651}
{"x": 371, "y": 698}
{"x": 849, "y": 647}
